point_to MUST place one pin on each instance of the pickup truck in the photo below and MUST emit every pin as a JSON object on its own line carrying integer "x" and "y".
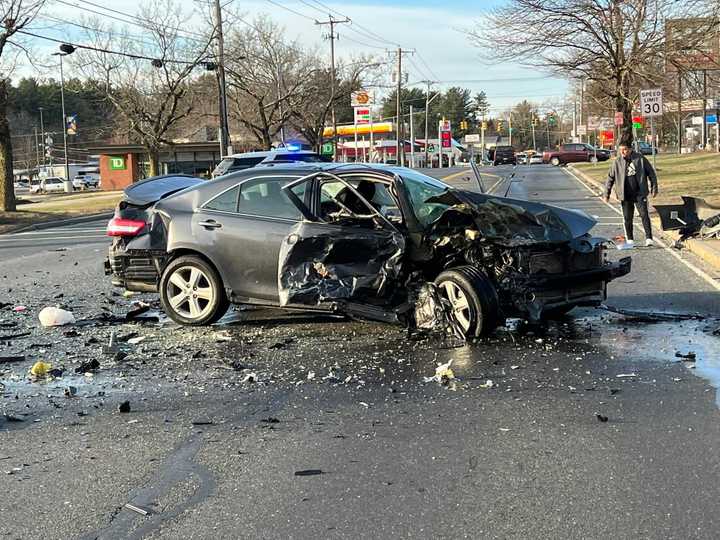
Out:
{"x": 574, "y": 153}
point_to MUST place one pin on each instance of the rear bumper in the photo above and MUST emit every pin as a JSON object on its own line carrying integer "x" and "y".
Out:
{"x": 134, "y": 270}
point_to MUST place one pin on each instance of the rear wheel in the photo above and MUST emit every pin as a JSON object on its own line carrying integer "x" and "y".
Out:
{"x": 474, "y": 301}
{"x": 555, "y": 161}
{"x": 593, "y": 159}
{"x": 192, "y": 293}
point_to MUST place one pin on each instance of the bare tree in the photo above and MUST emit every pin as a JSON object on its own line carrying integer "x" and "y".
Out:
{"x": 615, "y": 43}
{"x": 16, "y": 15}
{"x": 149, "y": 83}
{"x": 269, "y": 77}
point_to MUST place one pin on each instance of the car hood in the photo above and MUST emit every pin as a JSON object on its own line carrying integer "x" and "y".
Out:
{"x": 510, "y": 222}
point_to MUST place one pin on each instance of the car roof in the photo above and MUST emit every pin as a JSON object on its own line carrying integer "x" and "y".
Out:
{"x": 305, "y": 168}
{"x": 268, "y": 153}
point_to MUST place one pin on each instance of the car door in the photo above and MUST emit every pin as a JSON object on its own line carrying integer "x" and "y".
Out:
{"x": 242, "y": 229}
{"x": 340, "y": 251}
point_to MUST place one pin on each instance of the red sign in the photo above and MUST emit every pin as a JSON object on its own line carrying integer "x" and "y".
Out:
{"x": 607, "y": 137}
{"x": 638, "y": 120}
{"x": 619, "y": 118}
{"x": 446, "y": 139}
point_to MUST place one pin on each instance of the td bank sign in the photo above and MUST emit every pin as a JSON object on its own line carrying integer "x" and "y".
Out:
{"x": 117, "y": 163}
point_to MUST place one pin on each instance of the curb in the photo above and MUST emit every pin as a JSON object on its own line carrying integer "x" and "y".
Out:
{"x": 61, "y": 222}
{"x": 699, "y": 248}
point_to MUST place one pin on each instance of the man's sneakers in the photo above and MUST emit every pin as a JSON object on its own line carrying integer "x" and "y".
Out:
{"x": 628, "y": 244}
{"x": 649, "y": 242}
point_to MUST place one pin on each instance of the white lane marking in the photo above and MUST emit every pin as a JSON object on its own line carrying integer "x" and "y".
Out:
{"x": 704, "y": 276}
{"x": 7, "y": 240}
{"x": 55, "y": 231}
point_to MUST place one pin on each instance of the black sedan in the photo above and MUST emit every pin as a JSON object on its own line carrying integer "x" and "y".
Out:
{"x": 377, "y": 242}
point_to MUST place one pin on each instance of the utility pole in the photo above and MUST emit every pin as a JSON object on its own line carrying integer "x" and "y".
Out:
{"x": 399, "y": 146}
{"x": 42, "y": 135}
{"x": 412, "y": 140}
{"x": 37, "y": 151}
{"x": 427, "y": 112}
{"x": 679, "y": 113}
{"x": 225, "y": 146}
{"x": 331, "y": 22}
{"x": 582, "y": 104}
{"x": 704, "y": 112}
{"x": 65, "y": 50}
{"x": 510, "y": 129}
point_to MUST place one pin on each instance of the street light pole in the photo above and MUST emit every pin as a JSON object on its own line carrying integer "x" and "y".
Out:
{"x": 68, "y": 50}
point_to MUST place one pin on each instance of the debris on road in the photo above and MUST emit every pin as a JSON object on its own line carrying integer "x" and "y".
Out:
{"x": 136, "y": 340}
{"x": 651, "y": 316}
{"x": 12, "y": 418}
{"x": 40, "y": 369}
{"x": 626, "y": 375}
{"x": 9, "y": 359}
{"x": 309, "y": 472}
{"x": 443, "y": 374}
{"x": 124, "y": 407}
{"x": 70, "y": 391}
{"x": 137, "y": 509}
{"x": 53, "y": 316}
{"x": 488, "y": 384}
{"x": 19, "y": 309}
{"x": 601, "y": 417}
{"x": 88, "y": 366}
{"x": 687, "y": 357}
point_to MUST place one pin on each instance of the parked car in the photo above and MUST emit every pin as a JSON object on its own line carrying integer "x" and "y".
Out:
{"x": 535, "y": 159}
{"x": 51, "y": 184}
{"x": 574, "y": 153}
{"x": 83, "y": 182}
{"x": 247, "y": 160}
{"x": 21, "y": 185}
{"x": 504, "y": 154}
{"x": 371, "y": 241}
{"x": 646, "y": 148}
{"x": 522, "y": 158}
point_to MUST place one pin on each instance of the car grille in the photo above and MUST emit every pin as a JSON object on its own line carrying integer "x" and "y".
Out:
{"x": 133, "y": 267}
{"x": 557, "y": 262}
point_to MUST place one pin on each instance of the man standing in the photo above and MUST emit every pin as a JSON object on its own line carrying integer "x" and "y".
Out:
{"x": 630, "y": 174}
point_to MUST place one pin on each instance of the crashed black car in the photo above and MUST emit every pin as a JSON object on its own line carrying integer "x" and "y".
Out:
{"x": 376, "y": 242}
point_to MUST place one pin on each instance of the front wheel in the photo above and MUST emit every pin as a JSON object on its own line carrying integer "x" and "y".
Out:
{"x": 192, "y": 293}
{"x": 555, "y": 162}
{"x": 474, "y": 302}
{"x": 593, "y": 159}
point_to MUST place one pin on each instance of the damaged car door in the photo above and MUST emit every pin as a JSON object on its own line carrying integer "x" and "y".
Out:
{"x": 345, "y": 251}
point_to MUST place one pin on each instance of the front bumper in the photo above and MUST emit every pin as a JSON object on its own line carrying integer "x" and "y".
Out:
{"x": 536, "y": 294}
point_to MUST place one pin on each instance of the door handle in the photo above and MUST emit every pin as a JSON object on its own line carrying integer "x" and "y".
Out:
{"x": 210, "y": 224}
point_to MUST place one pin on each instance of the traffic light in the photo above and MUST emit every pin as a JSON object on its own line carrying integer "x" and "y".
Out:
{"x": 552, "y": 120}
{"x": 534, "y": 120}
{"x": 463, "y": 124}
{"x": 499, "y": 125}
{"x": 484, "y": 124}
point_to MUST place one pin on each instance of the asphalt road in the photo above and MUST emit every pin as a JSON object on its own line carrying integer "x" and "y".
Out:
{"x": 209, "y": 454}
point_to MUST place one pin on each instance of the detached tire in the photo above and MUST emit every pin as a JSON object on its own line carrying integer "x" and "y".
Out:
{"x": 476, "y": 306}
{"x": 192, "y": 292}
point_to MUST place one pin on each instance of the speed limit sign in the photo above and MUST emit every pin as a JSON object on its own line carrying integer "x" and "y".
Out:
{"x": 651, "y": 102}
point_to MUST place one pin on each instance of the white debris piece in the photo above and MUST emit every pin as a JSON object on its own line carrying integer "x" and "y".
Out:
{"x": 443, "y": 374}
{"x": 488, "y": 384}
{"x": 625, "y": 375}
{"x": 136, "y": 340}
{"x": 53, "y": 316}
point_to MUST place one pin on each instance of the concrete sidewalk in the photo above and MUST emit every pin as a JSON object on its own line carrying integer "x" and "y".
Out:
{"x": 707, "y": 250}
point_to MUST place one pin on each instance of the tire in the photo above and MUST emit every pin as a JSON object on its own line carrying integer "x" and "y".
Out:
{"x": 180, "y": 292}
{"x": 476, "y": 306}
{"x": 555, "y": 162}
{"x": 593, "y": 159}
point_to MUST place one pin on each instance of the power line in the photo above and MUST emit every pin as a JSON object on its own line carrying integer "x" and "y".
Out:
{"x": 290, "y": 10}
{"x": 135, "y": 37}
{"x": 108, "y": 51}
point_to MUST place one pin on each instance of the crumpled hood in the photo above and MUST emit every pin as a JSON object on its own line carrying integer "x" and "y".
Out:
{"x": 510, "y": 222}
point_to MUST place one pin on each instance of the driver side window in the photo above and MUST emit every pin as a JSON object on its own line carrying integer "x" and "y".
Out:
{"x": 337, "y": 201}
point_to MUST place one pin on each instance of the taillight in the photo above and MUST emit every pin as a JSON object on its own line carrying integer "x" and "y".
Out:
{"x": 124, "y": 227}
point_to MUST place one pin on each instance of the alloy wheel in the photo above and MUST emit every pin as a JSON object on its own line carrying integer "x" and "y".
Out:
{"x": 459, "y": 303}
{"x": 190, "y": 292}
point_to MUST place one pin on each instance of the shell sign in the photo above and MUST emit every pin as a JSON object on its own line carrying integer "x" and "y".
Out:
{"x": 362, "y": 98}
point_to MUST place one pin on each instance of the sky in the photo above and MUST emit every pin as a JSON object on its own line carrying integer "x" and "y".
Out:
{"x": 432, "y": 29}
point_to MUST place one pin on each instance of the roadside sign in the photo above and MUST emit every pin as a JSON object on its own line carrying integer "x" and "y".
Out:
{"x": 472, "y": 138}
{"x": 593, "y": 122}
{"x": 581, "y": 130}
{"x": 711, "y": 119}
{"x": 637, "y": 122}
{"x": 444, "y": 125}
{"x": 651, "y": 103}
{"x": 327, "y": 149}
{"x": 445, "y": 139}
{"x": 71, "y": 124}
{"x": 362, "y": 98}
{"x": 117, "y": 163}
{"x": 362, "y": 115}
{"x": 619, "y": 118}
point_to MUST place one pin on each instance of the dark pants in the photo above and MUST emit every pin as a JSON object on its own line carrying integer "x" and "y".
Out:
{"x": 628, "y": 208}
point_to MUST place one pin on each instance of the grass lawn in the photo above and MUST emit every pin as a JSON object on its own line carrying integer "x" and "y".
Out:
{"x": 697, "y": 175}
{"x": 59, "y": 207}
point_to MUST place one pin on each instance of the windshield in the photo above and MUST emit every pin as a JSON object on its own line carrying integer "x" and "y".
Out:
{"x": 231, "y": 164}
{"x": 290, "y": 157}
{"x": 421, "y": 189}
